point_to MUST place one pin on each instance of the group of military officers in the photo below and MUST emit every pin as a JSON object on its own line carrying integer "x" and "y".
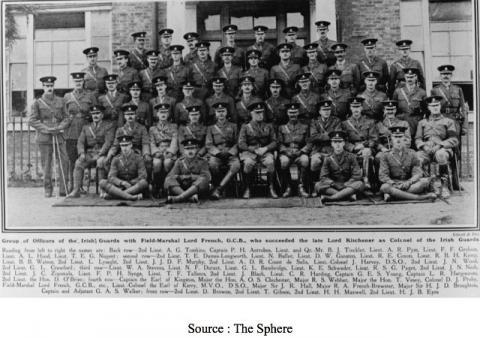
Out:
{"x": 184, "y": 124}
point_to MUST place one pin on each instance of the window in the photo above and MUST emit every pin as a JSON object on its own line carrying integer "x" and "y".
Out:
{"x": 18, "y": 69}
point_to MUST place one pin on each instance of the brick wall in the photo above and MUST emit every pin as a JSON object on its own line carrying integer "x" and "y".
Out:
{"x": 369, "y": 18}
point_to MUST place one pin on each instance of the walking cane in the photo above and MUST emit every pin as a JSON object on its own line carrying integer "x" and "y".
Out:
{"x": 55, "y": 167}
{"x": 60, "y": 162}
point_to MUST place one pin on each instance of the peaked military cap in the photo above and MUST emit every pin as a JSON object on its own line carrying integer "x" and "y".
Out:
{"x": 188, "y": 85}
{"x": 129, "y": 108}
{"x": 159, "y": 80}
{"x": 339, "y": 46}
{"x": 371, "y": 74}
{"x": 370, "y": 42}
{"x": 356, "y": 101}
{"x": 78, "y": 75}
{"x": 322, "y": 24}
{"x": 404, "y": 44}
{"x": 227, "y": 50}
{"x": 123, "y": 138}
{"x": 284, "y": 46}
{"x": 253, "y": 53}
{"x": 311, "y": 47}
{"x": 398, "y": 130}
{"x": 176, "y": 48}
{"x": 257, "y": 106}
{"x": 325, "y": 104}
{"x": 333, "y": 73}
{"x": 260, "y": 29}
{"x": 152, "y": 52}
{"x": 202, "y": 44}
{"x": 290, "y": 30}
{"x": 220, "y": 105}
{"x": 218, "y": 80}
{"x": 162, "y": 106}
{"x": 193, "y": 109}
{"x": 166, "y": 32}
{"x": 135, "y": 85}
{"x": 139, "y": 35}
{"x": 276, "y": 82}
{"x": 110, "y": 77}
{"x": 48, "y": 79}
{"x": 303, "y": 77}
{"x": 121, "y": 52}
{"x": 390, "y": 103}
{"x": 337, "y": 135}
{"x": 446, "y": 69}
{"x": 230, "y": 28}
{"x": 410, "y": 71}
{"x": 90, "y": 51}
{"x": 190, "y": 142}
{"x": 191, "y": 36}
{"x": 96, "y": 108}
{"x": 433, "y": 100}
{"x": 292, "y": 106}
{"x": 247, "y": 79}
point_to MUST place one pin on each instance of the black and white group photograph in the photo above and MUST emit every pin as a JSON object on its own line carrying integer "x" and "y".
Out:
{"x": 257, "y": 115}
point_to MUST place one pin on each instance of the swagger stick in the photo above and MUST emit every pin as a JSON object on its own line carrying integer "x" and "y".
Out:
{"x": 60, "y": 162}
{"x": 55, "y": 168}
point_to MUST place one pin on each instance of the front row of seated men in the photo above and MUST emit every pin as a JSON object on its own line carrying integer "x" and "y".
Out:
{"x": 213, "y": 155}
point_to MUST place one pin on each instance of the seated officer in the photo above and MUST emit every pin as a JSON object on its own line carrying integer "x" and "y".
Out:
{"x": 319, "y": 145}
{"x": 163, "y": 145}
{"x": 221, "y": 143}
{"x": 276, "y": 112}
{"x": 292, "y": 140}
{"x": 257, "y": 142}
{"x": 143, "y": 113}
{"x": 401, "y": 172}
{"x": 194, "y": 129}
{"x": 341, "y": 176}
{"x": 189, "y": 176}
{"x": 436, "y": 138}
{"x": 93, "y": 144}
{"x": 307, "y": 99}
{"x": 362, "y": 136}
{"x": 127, "y": 178}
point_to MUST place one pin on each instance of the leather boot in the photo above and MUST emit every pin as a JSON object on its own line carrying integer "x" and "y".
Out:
{"x": 77, "y": 179}
{"x": 191, "y": 192}
{"x": 302, "y": 179}
{"x": 287, "y": 181}
{"x": 217, "y": 193}
{"x": 271, "y": 188}
{"x": 174, "y": 193}
{"x": 117, "y": 192}
{"x": 247, "y": 179}
{"x": 443, "y": 171}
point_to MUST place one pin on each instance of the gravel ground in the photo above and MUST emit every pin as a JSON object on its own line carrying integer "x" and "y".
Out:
{"x": 27, "y": 208}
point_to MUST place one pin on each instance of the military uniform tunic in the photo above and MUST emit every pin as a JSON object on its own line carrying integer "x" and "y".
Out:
{"x": 299, "y": 55}
{"x": 317, "y": 79}
{"x": 181, "y": 113}
{"x": 276, "y": 112}
{"x": 140, "y": 141}
{"x": 190, "y": 57}
{"x": 95, "y": 139}
{"x": 396, "y": 167}
{"x": 242, "y": 114}
{"x": 232, "y": 77}
{"x": 254, "y": 135}
{"x": 350, "y": 77}
{"x": 409, "y": 105}
{"x": 261, "y": 78}
{"x": 94, "y": 81}
{"x": 143, "y": 113}
{"x": 164, "y": 99}
{"x": 340, "y": 99}
{"x": 436, "y": 130}
{"x": 176, "y": 76}
{"x": 385, "y": 135}
{"x": 138, "y": 59}
{"x": 222, "y": 138}
{"x": 210, "y": 101}
{"x": 164, "y": 57}
{"x": 238, "y": 58}
{"x": 126, "y": 76}
{"x": 197, "y": 131}
{"x": 319, "y": 129}
{"x": 361, "y": 130}
{"x": 292, "y": 139}
{"x": 130, "y": 168}
{"x": 396, "y": 72}
{"x": 378, "y": 65}
{"x": 324, "y": 50}
{"x": 202, "y": 74}
{"x": 146, "y": 76}
{"x": 453, "y": 104}
{"x": 288, "y": 74}
{"x": 372, "y": 106}
{"x": 113, "y": 106}
{"x": 77, "y": 106}
{"x": 160, "y": 133}
{"x": 308, "y": 105}
{"x": 189, "y": 172}
{"x": 269, "y": 57}
{"x": 340, "y": 169}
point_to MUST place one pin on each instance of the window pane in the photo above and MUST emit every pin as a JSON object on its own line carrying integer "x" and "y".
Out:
{"x": 461, "y": 43}
{"x": 18, "y": 75}
{"x": 43, "y": 52}
{"x": 60, "y": 52}
{"x": 451, "y": 11}
{"x": 440, "y": 43}
{"x": 245, "y": 22}
{"x": 295, "y": 19}
{"x": 69, "y": 34}
{"x": 19, "y": 102}
{"x": 60, "y": 20}
{"x": 212, "y": 22}
{"x": 268, "y": 21}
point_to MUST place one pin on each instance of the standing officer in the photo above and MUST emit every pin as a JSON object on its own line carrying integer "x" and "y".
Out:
{"x": 160, "y": 83}
{"x": 401, "y": 173}
{"x": 126, "y": 74}
{"x": 49, "y": 118}
{"x": 163, "y": 146}
{"x": 127, "y": 178}
{"x": 181, "y": 108}
{"x": 164, "y": 49}
{"x": 276, "y": 112}
{"x": 219, "y": 95}
{"x": 221, "y": 144}
{"x": 259, "y": 74}
{"x": 325, "y": 54}
{"x": 362, "y": 136}
{"x": 192, "y": 39}
{"x": 202, "y": 70}
{"x": 350, "y": 77}
{"x": 453, "y": 101}
{"x": 94, "y": 74}
{"x": 238, "y": 58}
{"x": 112, "y": 101}
{"x": 410, "y": 98}
{"x": 193, "y": 129}
{"x": 189, "y": 176}
{"x": 319, "y": 145}
{"x": 292, "y": 141}
{"x": 398, "y": 67}
{"x": 299, "y": 56}
{"x": 257, "y": 142}
{"x": 286, "y": 69}
{"x": 436, "y": 137}
{"x": 315, "y": 68}
{"x": 144, "y": 112}
{"x": 137, "y": 56}
{"x": 372, "y": 105}
{"x": 93, "y": 145}
{"x": 307, "y": 99}
{"x": 77, "y": 106}
{"x": 267, "y": 56}
{"x": 372, "y": 63}
{"x": 339, "y": 96}
{"x": 148, "y": 74}
{"x": 241, "y": 114}
{"x": 229, "y": 71}
{"x": 341, "y": 176}
{"x": 177, "y": 73}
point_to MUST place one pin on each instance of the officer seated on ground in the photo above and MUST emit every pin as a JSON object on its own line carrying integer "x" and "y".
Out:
{"x": 257, "y": 142}
{"x": 93, "y": 144}
{"x": 127, "y": 178}
{"x": 401, "y": 173}
{"x": 221, "y": 144}
{"x": 341, "y": 176}
{"x": 435, "y": 140}
{"x": 189, "y": 177}
{"x": 163, "y": 145}
{"x": 292, "y": 140}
